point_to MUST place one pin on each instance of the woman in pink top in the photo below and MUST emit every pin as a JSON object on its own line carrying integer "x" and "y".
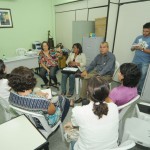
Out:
{"x": 129, "y": 76}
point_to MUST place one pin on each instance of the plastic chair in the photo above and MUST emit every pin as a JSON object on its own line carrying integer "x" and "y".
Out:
{"x": 138, "y": 130}
{"x": 21, "y": 51}
{"x": 117, "y": 65}
{"x": 40, "y": 122}
{"x": 123, "y": 146}
{"x": 143, "y": 111}
{"x": 122, "y": 111}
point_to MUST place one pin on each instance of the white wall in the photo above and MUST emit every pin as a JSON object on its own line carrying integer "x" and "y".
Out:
{"x": 130, "y": 25}
{"x": 82, "y": 10}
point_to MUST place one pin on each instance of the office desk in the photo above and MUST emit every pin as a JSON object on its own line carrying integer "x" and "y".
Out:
{"x": 27, "y": 61}
{"x": 20, "y": 134}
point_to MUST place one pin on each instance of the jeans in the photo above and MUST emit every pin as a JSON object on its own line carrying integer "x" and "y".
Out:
{"x": 71, "y": 82}
{"x": 143, "y": 67}
{"x": 52, "y": 74}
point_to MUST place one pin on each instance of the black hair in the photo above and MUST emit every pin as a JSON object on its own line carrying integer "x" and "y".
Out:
{"x": 60, "y": 45}
{"x": 2, "y": 69}
{"x": 131, "y": 74}
{"x": 78, "y": 45}
{"x": 44, "y": 43}
{"x": 98, "y": 91}
{"x": 22, "y": 79}
{"x": 146, "y": 25}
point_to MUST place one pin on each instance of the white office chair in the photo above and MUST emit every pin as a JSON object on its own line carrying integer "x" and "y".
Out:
{"x": 138, "y": 130}
{"x": 117, "y": 65}
{"x": 39, "y": 121}
{"x": 122, "y": 111}
{"x": 143, "y": 111}
{"x": 21, "y": 51}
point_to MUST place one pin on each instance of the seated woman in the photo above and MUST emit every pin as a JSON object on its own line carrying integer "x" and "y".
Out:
{"x": 98, "y": 121}
{"x": 22, "y": 82}
{"x": 49, "y": 64}
{"x": 129, "y": 76}
{"x": 76, "y": 59}
{"x": 4, "y": 88}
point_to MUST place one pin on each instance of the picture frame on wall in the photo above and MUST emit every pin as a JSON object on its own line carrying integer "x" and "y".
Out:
{"x": 5, "y": 18}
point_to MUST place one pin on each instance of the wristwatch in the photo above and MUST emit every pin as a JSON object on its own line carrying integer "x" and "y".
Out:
{"x": 142, "y": 50}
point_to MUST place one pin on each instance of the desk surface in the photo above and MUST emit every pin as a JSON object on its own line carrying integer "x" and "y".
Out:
{"x": 27, "y": 61}
{"x": 20, "y": 134}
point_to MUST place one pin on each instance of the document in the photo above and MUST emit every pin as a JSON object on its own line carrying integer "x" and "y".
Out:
{"x": 49, "y": 93}
{"x": 72, "y": 69}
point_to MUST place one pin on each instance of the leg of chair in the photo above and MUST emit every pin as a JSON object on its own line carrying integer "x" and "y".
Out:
{"x": 62, "y": 132}
{"x": 77, "y": 83}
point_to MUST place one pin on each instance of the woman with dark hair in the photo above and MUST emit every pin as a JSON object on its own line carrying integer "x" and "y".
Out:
{"x": 49, "y": 64}
{"x": 76, "y": 59}
{"x": 4, "y": 88}
{"x": 98, "y": 121}
{"x": 22, "y": 82}
{"x": 129, "y": 77}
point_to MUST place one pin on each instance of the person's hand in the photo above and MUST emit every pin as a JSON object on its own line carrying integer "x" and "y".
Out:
{"x": 84, "y": 73}
{"x": 68, "y": 125}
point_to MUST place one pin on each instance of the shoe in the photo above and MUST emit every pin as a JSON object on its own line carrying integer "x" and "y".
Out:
{"x": 69, "y": 95}
{"x": 79, "y": 100}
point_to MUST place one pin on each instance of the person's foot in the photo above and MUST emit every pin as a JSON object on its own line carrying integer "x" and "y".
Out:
{"x": 71, "y": 103}
{"x": 79, "y": 100}
{"x": 69, "y": 95}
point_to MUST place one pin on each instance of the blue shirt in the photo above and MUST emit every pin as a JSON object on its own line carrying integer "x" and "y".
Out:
{"x": 140, "y": 56}
{"x": 103, "y": 64}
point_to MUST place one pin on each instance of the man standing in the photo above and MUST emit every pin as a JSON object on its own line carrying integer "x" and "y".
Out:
{"x": 103, "y": 64}
{"x": 141, "y": 46}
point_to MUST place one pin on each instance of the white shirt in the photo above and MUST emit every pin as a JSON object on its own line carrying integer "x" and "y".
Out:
{"x": 95, "y": 133}
{"x": 4, "y": 89}
{"x": 80, "y": 59}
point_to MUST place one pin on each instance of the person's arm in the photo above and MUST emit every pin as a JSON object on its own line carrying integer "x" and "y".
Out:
{"x": 83, "y": 61}
{"x": 134, "y": 45}
{"x": 92, "y": 65}
{"x": 51, "y": 109}
{"x": 109, "y": 65}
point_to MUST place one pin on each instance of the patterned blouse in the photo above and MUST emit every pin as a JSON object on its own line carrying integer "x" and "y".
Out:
{"x": 38, "y": 104}
{"x": 52, "y": 60}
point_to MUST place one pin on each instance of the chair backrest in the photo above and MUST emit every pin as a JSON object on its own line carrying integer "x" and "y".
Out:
{"x": 143, "y": 111}
{"x": 117, "y": 65}
{"x": 37, "y": 119}
{"x": 125, "y": 145}
{"x": 21, "y": 51}
{"x": 123, "y": 108}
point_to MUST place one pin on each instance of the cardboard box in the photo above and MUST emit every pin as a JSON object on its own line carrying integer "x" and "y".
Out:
{"x": 100, "y": 26}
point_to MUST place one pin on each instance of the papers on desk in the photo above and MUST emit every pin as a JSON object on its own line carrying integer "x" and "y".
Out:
{"x": 70, "y": 69}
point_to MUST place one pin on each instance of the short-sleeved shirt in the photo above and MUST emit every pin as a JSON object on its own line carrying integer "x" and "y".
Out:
{"x": 95, "y": 133}
{"x": 122, "y": 94}
{"x": 140, "y": 56}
